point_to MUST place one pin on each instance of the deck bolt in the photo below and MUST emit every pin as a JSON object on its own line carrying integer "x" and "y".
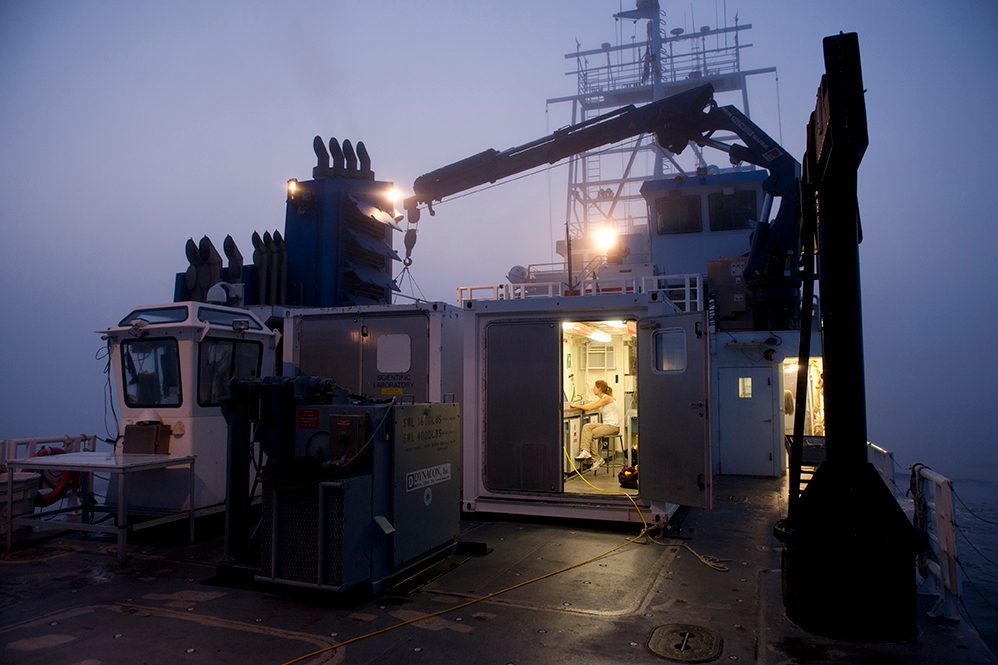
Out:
{"x": 258, "y": 620}
{"x": 417, "y": 649}
{"x": 189, "y": 650}
{"x": 633, "y": 644}
{"x": 542, "y": 630}
{"x": 53, "y": 623}
{"x": 117, "y": 635}
{"x": 190, "y": 609}
{"x": 458, "y": 619}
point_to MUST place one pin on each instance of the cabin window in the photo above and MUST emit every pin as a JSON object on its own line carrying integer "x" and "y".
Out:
{"x": 670, "y": 350}
{"x": 157, "y": 315}
{"x": 394, "y": 354}
{"x": 678, "y": 213}
{"x": 151, "y": 372}
{"x": 220, "y": 361}
{"x": 732, "y": 210}
{"x": 223, "y": 317}
{"x": 744, "y": 387}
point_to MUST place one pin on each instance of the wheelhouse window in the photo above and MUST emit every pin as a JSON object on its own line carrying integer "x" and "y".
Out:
{"x": 220, "y": 361}
{"x": 732, "y": 210}
{"x": 151, "y": 372}
{"x": 678, "y": 213}
{"x": 156, "y": 315}
{"x": 222, "y": 317}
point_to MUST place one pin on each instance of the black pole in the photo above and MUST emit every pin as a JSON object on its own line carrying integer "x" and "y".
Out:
{"x": 842, "y": 318}
{"x": 807, "y": 202}
{"x": 848, "y": 559}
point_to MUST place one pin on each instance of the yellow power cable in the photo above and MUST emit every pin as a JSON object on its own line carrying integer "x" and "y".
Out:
{"x": 459, "y": 606}
{"x": 709, "y": 561}
{"x": 575, "y": 469}
{"x": 644, "y": 533}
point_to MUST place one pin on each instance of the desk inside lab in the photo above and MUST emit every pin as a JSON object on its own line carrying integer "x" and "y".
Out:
{"x": 573, "y": 418}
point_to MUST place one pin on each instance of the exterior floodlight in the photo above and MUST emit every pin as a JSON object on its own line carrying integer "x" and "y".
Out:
{"x": 605, "y": 238}
{"x": 292, "y": 188}
{"x": 394, "y": 195}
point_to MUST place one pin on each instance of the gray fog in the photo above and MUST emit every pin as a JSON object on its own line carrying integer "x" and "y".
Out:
{"x": 128, "y": 127}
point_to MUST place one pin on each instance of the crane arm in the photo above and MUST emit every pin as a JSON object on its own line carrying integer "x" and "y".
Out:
{"x": 674, "y": 121}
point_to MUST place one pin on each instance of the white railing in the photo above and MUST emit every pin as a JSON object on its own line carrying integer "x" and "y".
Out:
{"x": 932, "y": 504}
{"x": 939, "y": 567}
{"x": 21, "y": 448}
{"x": 684, "y": 291}
{"x": 883, "y": 461}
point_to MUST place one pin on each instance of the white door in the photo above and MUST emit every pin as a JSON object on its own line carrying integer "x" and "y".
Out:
{"x": 745, "y": 430}
{"x": 674, "y": 452}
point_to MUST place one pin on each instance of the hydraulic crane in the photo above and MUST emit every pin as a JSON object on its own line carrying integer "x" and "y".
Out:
{"x": 771, "y": 272}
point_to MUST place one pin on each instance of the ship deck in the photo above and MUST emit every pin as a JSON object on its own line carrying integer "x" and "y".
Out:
{"x": 66, "y": 600}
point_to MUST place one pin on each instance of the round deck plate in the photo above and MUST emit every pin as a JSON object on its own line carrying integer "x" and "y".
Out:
{"x": 685, "y": 643}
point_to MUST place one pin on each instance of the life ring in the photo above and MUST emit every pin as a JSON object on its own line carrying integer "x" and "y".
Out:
{"x": 59, "y": 484}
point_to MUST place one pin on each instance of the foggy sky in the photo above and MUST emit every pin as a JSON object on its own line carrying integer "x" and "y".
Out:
{"x": 128, "y": 127}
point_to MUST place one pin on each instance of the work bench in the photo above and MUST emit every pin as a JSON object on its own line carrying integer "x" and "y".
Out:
{"x": 117, "y": 463}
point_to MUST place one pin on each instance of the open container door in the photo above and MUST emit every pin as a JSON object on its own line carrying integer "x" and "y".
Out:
{"x": 672, "y": 406}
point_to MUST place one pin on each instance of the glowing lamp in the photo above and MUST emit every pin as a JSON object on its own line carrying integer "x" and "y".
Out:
{"x": 605, "y": 238}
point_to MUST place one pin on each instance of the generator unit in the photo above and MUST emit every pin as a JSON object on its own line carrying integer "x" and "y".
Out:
{"x": 355, "y": 493}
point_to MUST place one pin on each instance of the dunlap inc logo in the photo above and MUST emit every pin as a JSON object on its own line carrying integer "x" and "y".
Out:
{"x": 421, "y": 478}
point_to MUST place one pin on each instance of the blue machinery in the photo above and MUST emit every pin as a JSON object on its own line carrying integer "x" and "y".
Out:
{"x": 354, "y": 494}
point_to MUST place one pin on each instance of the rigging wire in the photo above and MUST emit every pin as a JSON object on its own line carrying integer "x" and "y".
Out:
{"x": 547, "y": 129}
{"x": 779, "y": 112}
{"x": 983, "y": 596}
{"x": 104, "y": 352}
{"x": 972, "y": 513}
{"x": 972, "y": 545}
{"x": 406, "y": 273}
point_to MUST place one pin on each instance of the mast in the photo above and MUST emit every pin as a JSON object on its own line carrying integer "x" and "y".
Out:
{"x": 670, "y": 59}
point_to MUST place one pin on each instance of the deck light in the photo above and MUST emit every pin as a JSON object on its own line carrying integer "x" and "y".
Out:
{"x": 394, "y": 195}
{"x": 292, "y": 188}
{"x": 605, "y": 238}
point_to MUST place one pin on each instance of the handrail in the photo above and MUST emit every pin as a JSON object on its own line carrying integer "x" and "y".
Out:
{"x": 883, "y": 460}
{"x": 939, "y": 566}
{"x": 17, "y": 448}
{"x": 685, "y": 291}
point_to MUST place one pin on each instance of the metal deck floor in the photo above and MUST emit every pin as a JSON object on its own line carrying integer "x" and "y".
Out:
{"x": 65, "y": 600}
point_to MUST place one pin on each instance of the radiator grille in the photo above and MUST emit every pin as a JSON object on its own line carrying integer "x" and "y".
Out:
{"x": 291, "y": 535}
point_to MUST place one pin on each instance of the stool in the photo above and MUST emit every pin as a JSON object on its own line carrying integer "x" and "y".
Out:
{"x": 607, "y": 450}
